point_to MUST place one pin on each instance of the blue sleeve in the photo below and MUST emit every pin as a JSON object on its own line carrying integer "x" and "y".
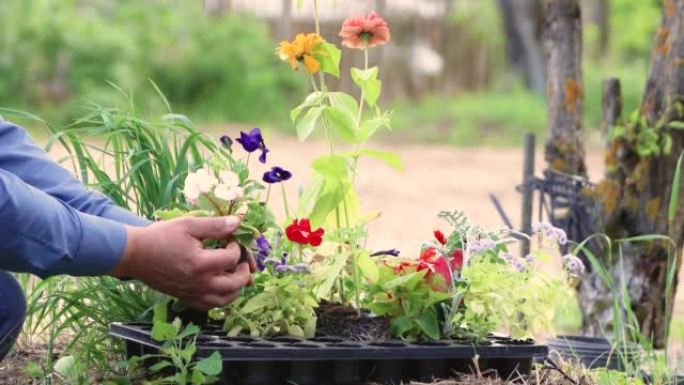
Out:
{"x": 45, "y": 236}
{"x": 23, "y": 158}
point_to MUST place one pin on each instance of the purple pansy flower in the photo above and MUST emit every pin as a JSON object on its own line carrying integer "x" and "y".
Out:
{"x": 390, "y": 252}
{"x": 253, "y": 141}
{"x": 263, "y": 249}
{"x": 277, "y": 174}
{"x": 227, "y": 142}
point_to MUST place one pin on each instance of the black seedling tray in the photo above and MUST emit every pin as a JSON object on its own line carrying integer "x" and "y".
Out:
{"x": 335, "y": 361}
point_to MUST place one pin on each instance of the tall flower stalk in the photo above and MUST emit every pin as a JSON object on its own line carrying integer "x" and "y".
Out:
{"x": 341, "y": 115}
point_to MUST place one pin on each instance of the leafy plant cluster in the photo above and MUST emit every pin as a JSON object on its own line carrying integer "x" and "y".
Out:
{"x": 177, "y": 363}
{"x": 272, "y": 307}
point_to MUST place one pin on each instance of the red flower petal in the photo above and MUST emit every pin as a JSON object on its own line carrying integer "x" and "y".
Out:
{"x": 428, "y": 254}
{"x": 316, "y": 238}
{"x": 457, "y": 260}
{"x": 440, "y": 237}
{"x": 295, "y": 234}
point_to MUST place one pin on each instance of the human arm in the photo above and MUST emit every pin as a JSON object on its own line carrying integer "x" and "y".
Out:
{"x": 23, "y": 158}
{"x": 44, "y": 236}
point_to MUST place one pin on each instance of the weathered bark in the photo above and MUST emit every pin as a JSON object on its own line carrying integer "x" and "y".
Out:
{"x": 636, "y": 193}
{"x": 564, "y": 147}
{"x": 523, "y": 23}
{"x": 611, "y": 104}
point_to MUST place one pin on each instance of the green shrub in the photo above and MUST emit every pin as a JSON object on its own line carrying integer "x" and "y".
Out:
{"x": 55, "y": 54}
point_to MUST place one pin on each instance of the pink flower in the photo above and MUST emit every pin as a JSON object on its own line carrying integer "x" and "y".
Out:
{"x": 364, "y": 31}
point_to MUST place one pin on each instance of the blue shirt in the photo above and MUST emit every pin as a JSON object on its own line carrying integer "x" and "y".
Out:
{"x": 49, "y": 222}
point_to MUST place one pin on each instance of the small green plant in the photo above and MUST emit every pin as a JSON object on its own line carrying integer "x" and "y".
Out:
{"x": 280, "y": 302}
{"x": 177, "y": 363}
{"x": 409, "y": 300}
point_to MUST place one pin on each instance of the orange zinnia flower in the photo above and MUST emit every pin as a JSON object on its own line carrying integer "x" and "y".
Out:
{"x": 364, "y": 31}
{"x": 302, "y": 49}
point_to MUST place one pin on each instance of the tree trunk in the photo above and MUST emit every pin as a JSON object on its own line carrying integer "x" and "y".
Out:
{"x": 564, "y": 147}
{"x": 636, "y": 192}
{"x": 522, "y": 22}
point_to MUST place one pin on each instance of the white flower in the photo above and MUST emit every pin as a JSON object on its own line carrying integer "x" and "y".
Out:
{"x": 197, "y": 183}
{"x": 228, "y": 193}
{"x": 205, "y": 180}
{"x": 229, "y": 178}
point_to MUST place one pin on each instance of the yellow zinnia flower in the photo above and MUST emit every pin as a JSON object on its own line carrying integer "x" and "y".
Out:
{"x": 302, "y": 49}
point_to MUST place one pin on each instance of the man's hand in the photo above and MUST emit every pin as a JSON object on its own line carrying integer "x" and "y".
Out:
{"x": 169, "y": 257}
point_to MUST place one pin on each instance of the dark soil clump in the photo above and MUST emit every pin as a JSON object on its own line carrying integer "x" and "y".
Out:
{"x": 335, "y": 319}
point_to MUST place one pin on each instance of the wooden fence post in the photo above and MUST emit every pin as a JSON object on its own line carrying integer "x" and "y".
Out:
{"x": 527, "y": 191}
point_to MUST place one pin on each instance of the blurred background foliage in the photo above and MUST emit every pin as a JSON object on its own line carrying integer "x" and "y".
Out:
{"x": 57, "y": 55}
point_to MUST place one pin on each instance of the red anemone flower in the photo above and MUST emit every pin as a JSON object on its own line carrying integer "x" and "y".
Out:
{"x": 300, "y": 232}
{"x": 436, "y": 264}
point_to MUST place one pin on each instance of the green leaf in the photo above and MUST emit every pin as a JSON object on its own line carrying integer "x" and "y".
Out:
{"x": 332, "y": 274}
{"x": 367, "y": 266}
{"x": 331, "y": 167}
{"x": 67, "y": 368}
{"x": 676, "y": 125}
{"x": 21, "y": 114}
{"x": 258, "y": 302}
{"x": 674, "y": 194}
{"x": 342, "y": 123}
{"x": 313, "y": 99}
{"x": 329, "y": 56}
{"x": 344, "y": 102}
{"x": 427, "y": 322}
{"x": 163, "y": 331}
{"x": 189, "y": 330}
{"x": 211, "y": 366}
{"x": 332, "y": 194}
{"x": 401, "y": 325}
{"x": 295, "y": 330}
{"x": 370, "y": 126}
{"x": 392, "y": 159}
{"x": 159, "y": 366}
{"x": 368, "y": 81}
{"x": 160, "y": 311}
{"x": 306, "y": 125}
{"x": 408, "y": 280}
{"x": 197, "y": 378}
{"x": 188, "y": 352}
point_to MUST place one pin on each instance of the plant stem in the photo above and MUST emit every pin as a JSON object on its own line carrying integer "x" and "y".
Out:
{"x": 287, "y": 208}
{"x": 316, "y": 20}
{"x": 268, "y": 194}
{"x": 363, "y": 93}
{"x": 249, "y": 155}
{"x": 357, "y": 297}
{"x": 213, "y": 203}
{"x": 359, "y": 115}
